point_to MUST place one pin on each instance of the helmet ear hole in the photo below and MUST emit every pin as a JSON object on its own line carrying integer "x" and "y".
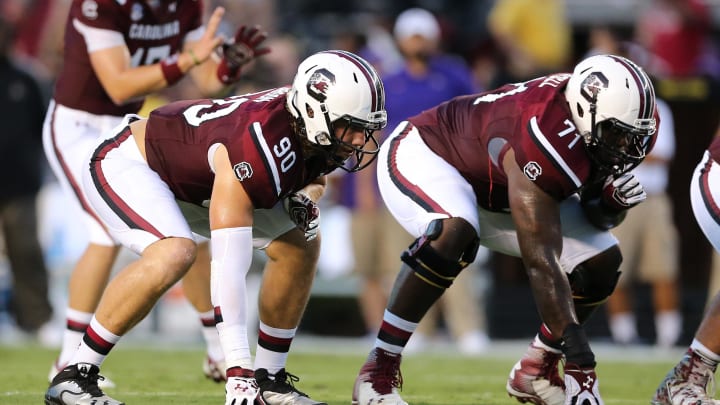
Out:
{"x": 310, "y": 112}
{"x": 580, "y": 110}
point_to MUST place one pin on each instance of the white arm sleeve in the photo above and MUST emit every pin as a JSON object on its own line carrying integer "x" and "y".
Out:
{"x": 231, "y": 251}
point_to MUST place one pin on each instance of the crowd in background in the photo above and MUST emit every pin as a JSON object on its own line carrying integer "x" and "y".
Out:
{"x": 496, "y": 42}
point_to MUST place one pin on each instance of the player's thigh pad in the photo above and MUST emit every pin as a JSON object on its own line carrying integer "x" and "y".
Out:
{"x": 419, "y": 186}
{"x": 137, "y": 207}
{"x": 581, "y": 240}
{"x": 705, "y": 198}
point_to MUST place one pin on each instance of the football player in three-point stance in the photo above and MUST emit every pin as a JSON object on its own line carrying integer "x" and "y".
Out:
{"x": 538, "y": 170}
{"x": 251, "y": 169}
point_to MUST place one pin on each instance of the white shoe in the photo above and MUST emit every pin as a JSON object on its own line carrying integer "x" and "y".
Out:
{"x": 78, "y": 385}
{"x": 474, "y": 343}
{"x": 535, "y": 378}
{"x": 104, "y": 383}
{"x": 242, "y": 390}
{"x": 214, "y": 370}
{"x": 379, "y": 380}
{"x": 279, "y": 389}
{"x": 49, "y": 335}
{"x": 690, "y": 382}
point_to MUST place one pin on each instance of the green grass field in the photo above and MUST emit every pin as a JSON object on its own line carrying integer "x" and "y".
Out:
{"x": 172, "y": 376}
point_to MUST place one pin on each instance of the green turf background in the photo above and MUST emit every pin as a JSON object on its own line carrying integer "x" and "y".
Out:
{"x": 172, "y": 376}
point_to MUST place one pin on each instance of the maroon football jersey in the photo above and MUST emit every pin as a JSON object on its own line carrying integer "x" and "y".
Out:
{"x": 151, "y": 34}
{"x": 472, "y": 133}
{"x": 265, "y": 153}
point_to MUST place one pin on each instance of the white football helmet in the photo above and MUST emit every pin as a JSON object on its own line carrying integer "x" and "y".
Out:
{"x": 338, "y": 85}
{"x": 612, "y": 101}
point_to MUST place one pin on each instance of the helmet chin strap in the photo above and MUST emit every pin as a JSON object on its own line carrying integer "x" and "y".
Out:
{"x": 593, "y": 114}
{"x": 594, "y": 139}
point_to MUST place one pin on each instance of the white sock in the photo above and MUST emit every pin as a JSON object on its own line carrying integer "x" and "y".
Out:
{"x": 211, "y": 336}
{"x": 268, "y": 358}
{"x": 703, "y": 351}
{"x": 72, "y": 336}
{"x": 400, "y": 324}
{"x": 103, "y": 339}
{"x": 668, "y": 327}
{"x": 623, "y": 327}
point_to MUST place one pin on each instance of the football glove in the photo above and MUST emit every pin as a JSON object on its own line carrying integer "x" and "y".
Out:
{"x": 581, "y": 386}
{"x": 240, "y": 51}
{"x": 623, "y": 192}
{"x": 304, "y": 212}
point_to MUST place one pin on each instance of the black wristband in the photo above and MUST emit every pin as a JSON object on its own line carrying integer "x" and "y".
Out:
{"x": 576, "y": 348}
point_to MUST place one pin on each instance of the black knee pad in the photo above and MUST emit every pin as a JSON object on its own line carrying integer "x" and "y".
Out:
{"x": 430, "y": 266}
{"x": 594, "y": 280}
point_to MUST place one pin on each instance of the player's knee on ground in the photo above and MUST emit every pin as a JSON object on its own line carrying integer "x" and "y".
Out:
{"x": 446, "y": 247}
{"x": 595, "y": 279}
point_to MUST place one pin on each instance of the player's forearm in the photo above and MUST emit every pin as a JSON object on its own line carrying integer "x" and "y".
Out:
{"x": 140, "y": 81}
{"x": 206, "y": 79}
{"x": 136, "y": 82}
{"x": 553, "y": 297}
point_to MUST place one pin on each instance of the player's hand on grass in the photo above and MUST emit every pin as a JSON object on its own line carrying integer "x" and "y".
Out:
{"x": 581, "y": 386}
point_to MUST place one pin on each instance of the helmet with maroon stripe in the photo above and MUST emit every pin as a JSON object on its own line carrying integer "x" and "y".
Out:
{"x": 612, "y": 102}
{"x": 333, "y": 86}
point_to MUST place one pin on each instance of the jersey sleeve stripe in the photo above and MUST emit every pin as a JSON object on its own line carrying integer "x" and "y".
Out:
{"x": 268, "y": 160}
{"x": 552, "y": 154}
{"x": 97, "y": 39}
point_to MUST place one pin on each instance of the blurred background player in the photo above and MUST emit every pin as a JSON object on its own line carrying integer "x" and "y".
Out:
{"x": 426, "y": 77}
{"x": 649, "y": 242}
{"x": 647, "y": 236}
{"x": 523, "y": 31}
{"x": 115, "y": 54}
{"x": 22, "y": 170}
